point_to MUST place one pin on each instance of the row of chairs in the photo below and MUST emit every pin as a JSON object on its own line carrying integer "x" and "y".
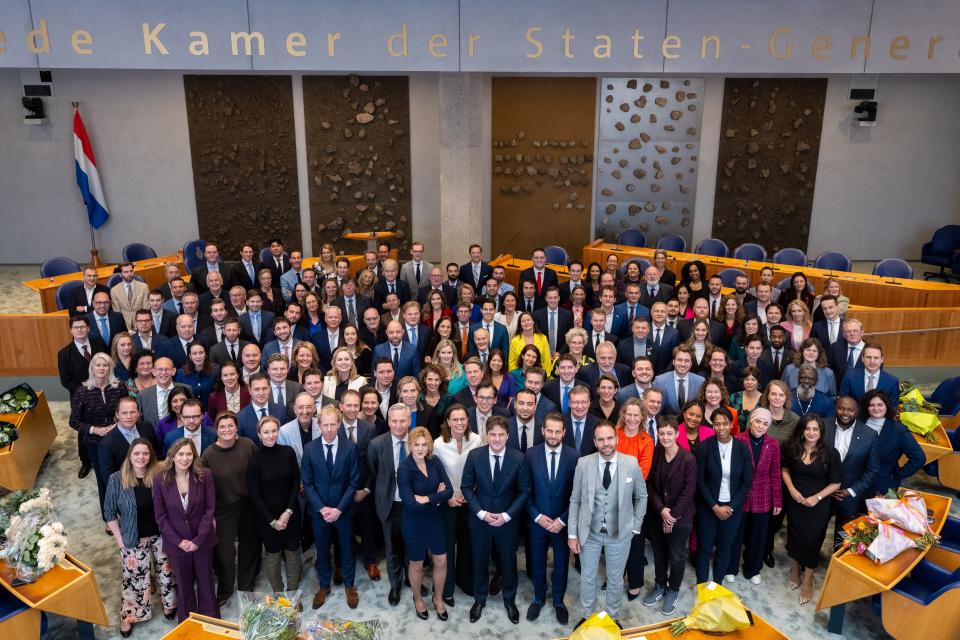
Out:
{"x": 133, "y": 252}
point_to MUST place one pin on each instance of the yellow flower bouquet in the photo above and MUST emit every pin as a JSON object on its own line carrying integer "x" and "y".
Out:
{"x": 716, "y": 610}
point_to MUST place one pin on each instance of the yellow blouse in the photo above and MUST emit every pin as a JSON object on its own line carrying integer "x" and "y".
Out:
{"x": 540, "y": 342}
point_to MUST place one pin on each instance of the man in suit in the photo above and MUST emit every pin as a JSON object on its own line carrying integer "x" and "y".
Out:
{"x": 152, "y": 401}
{"x": 753, "y": 357}
{"x": 828, "y": 330}
{"x": 496, "y": 486}
{"x": 523, "y": 427}
{"x": 365, "y": 521}
{"x": 211, "y": 264}
{"x": 81, "y": 298}
{"x": 104, "y": 323}
{"x": 390, "y": 283}
{"x": 164, "y": 321}
{"x": 282, "y": 390}
{"x": 129, "y": 294}
{"x": 143, "y": 335}
{"x": 215, "y": 291}
{"x": 663, "y": 336}
{"x": 475, "y": 272}
{"x": 480, "y": 346}
{"x": 384, "y": 454}
{"x": 383, "y": 383}
{"x": 497, "y": 334}
{"x": 175, "y": 348}
{"x": 191, "y": 413}
{"x": 283, "y": 343}
{"x": 231, "y": 347}
{"x": 191, "y": 307}
{"x": 542, "y": 276}
{"x": 637, "y": 344}
{"x": 614, "y": 318}
{"x": 606, "y": 363}
{"x": 372, "y": 331}
{"x": 534, "y": 379}
{"x": 218, "y": 315}
{"x": 740, "y": 285}
{"x": 250, "y": 362}
{"x": 330, "y": 338}
{"x": 500, "y": 274}
{"x": 579, "y": 423}
{"x": 473, "y": 370}
{"x": 245, "y": 272}
{"x": 607, "y": 505}
{"x": 558, "y": 389}
{"x": 331, "y": 477}
{"x": 171, "y": 272}
{"x": 491, "y": 292}
{"x": 115, "y": 444}
{"x": 860, "y": 459}
{"x": 293, "y": 312}
{"x": 575, "y": 269}
{"x": 352, "y": 305}
{"x": 529, "y": 300}
{"x": 415, "y": 272}
{"x": 631, "y": 309}
{"x": 847, "y": 353}
{"x": 303, "y": 428}
{"x": 553, "y": 320}
{"x": 678, "y": 385}
{"x": 415, "y": 332}
{"x": 436, "y": 283}
{"x": 701, "y": 310}
{"x": 479, "y": 414}
{"x": 256, "y": 323}
{"x": 370, "y": 261}
{"x": 597, "y": 334}
{"x": 403, "y": 354}
{"x": 277, "y": 262}
{"x": 178, "y": 289}
{"x": 856, "y": 382}
{"x": 290, "y": 277}
{"x": 779, "y": 354}
{"x": 643, "y": 374}
{"x": 73, "y": 360}
{"x": 757, "y": 306}
{"x": 552, "y": 466}
{"x": 261, "y": 405}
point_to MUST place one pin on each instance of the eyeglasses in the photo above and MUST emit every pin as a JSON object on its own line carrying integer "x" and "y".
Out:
{"x": 485, "y": 397}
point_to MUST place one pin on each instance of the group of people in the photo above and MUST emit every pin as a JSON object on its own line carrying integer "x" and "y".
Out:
{"x": 446, "y": 419}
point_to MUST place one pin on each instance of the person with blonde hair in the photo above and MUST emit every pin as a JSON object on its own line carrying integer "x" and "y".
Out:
{"x": 445, "y": 357}
{"x": 342, "y": 375}
{"x": 797, "y": 323}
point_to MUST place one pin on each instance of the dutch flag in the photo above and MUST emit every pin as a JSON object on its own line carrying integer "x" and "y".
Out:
{"x": 87, "y": 177}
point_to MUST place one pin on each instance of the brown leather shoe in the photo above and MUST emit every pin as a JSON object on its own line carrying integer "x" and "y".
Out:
{"x": 320, "y": 597}
{"x": 373, "y": 571}
{"x": 337, "y": 576}
{"x": 353, "y": 598}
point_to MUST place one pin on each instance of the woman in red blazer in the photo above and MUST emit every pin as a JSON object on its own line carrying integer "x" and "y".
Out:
{"x": 229, "y": 389}
{"x": 764, "y": 498}
{"x": 183, "y": 502}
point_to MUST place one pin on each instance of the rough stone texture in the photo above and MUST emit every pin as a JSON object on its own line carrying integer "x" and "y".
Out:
{"x": 543, "y": 134}
{"x": 244, "y": 158}
{"x": 358, "y": 157}
{"x": 647, "y": 174}
{"x": 767, "y": 164}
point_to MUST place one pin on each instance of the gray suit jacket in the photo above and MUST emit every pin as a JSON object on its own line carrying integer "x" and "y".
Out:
{"x": 631, "y": 491}
{"x": 382, "y": 479}
{"x": 147, "y": 402}
{"x": 290, "y": 436}
{"x": 408, "y": 273}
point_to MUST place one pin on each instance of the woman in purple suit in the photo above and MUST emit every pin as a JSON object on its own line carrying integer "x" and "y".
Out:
{"x": 183, "y": 502}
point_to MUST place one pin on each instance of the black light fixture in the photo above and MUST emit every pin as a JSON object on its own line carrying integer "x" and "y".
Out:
{"x": 35, "y": 107}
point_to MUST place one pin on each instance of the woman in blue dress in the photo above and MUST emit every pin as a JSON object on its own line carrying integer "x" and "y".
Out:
{"x": 424, "y": 487}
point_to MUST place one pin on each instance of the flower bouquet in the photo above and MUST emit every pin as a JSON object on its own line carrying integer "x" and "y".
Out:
{"x": 716, "y": 610}
{"x": 20, "y": 398}
{"x": 35, "y": 544}
{"x": 904, "y": 508}
{"x": 11, "y": 503}
{"x": 599, "y": 626}
{"x": 269, "y": 617}
{"x": 8, "y": 433}
{"x": 344, "y": 630}
{"x": 917, "y": 413}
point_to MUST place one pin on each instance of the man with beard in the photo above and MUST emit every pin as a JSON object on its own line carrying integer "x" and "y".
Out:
{"x": 860, "y": 458}
{"x": 806, "y": 399}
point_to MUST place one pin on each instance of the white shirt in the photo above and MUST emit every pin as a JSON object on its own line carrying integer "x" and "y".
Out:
{"x": 333, "y": 337}
{"x": 646, "y": 425}
{"x": 194, "y": 436}
{"x": 726, "y": 460}
{"x": 833, "y": 330}
{"x": 857, "y": 348}
{"x": 81, "y": 345}
{"x": 279, "y": 393}
{"x": 328, "y": 444}
{"x": 452, "y": 459}
{"x": 530, "y": 430}
{"x": 396, "y": 462}
{"x": 146, "y": 343}
{"x": 686, "y": 386}
{"x": 492, "y": 457}
{"x": 384, "y": 400}
{"x": 257, "y": 409}
{"x": 866, "y": 379}
{"x": 841, "y": 441}
{"x": 162, "y": 394}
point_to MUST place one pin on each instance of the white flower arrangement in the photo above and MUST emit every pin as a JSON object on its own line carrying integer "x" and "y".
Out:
{"x": 36, "y": 542}
{"x": 42, "y": 501}
{"x": 51, "y": 547}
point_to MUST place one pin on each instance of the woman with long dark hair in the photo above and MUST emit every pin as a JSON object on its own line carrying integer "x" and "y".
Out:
{"x": 198, "y": 373}
{"x": 895, "y": 441}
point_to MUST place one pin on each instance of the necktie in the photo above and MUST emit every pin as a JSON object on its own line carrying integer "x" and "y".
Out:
{"x": 233, "y": 352}
{"x": 286, "y": 353}
{"x": 250, "y": 273}
{"x": 418, "y": 274}
{"x": 156, "y": 322}
{"x": 713, "y": 309}
{"x": 578, "y": 433}
{"x": 351, "y": 312}
{"x": 871, "y": 382}
{"x": 86, "y": 353}
{"x": 650, "y": 292}
{"x": 180, "y": 308}
{"x": 278, "y": 396}
{"x": 530, "y": 306}
{"x": 553, "y": 466}
{"x": 330, "y": 457}
{"x": 299, "y": 279}
{"x": 850, "y": 359}
{"x": 255, "y": 325}
{"x": 596, "y": 341}
{"x": 352, "y": 431}
{"x": 565, "y": 399}
{"x": 496, "y": 469}
{"x": 523, "y": 438}
{"x": 833, "y": 332}
{"x": 277, "y": 260}
{"x": 129, "y": 293}
{"x": 652, "y": 428}
{"x": 463, "y": 342}
{"x": 396, "y": 359}
{"x": 104, "y": 331}
{"x": 681, "y": 394}
{"x": 606, "y": 474}
{"x": 776, "y": 360}
{"x": 413, "y": 336}
{"x": 553, "y": 332}
{"x": 483, "y": 359}
{"x": 630, "y": 315}
{"x": 263, "y": 412}
{"x": 403, "y": 453}
{"x": 476, "y": 274}
{"x": 656, "y": 338}
{"x": 390, "y": 287}
{"x": 540, "y": 282}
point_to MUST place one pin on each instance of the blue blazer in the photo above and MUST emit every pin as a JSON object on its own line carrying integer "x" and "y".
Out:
{"x": 273, "y": 347}
{"x": 499, "y": 339}
{"x": 207, "y": 438}
{"x": 409, "y": 361}
{"x": 586, "y": 442}
{"x": 667, "y": 383}
{"x": 544, "y": 406}
{"x": 619, "y": 321}
{"x": 322, "y": 342}
{"x": 623, "y": 308}
{"x": 551, "y": 499}
{"x": 423, "y": 338}
{"x": 709, "y": 471}
{"x": 115, "y": 324}
{"x": 509, "y": 495}
{"x": 466, "y": 275}
{"x": 247, "y": 419}
{"x": 513, "y": 432}
{"x": 266, "y": 327}
{"x": 853, "y": 380}
{"x": 895, "y": 440}
{"x": 326, "y": 488}
{"x": 173, "y": 349}
{"x": 365, "y": 433}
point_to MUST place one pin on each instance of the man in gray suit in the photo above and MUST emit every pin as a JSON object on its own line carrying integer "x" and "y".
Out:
{"x": 152, "y": 401}
{"x": 860, "y": 460}
{"x": 416, "y": 272}
{"x": 607, "y": 506}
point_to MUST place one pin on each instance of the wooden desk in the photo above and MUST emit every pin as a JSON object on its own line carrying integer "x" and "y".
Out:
{"x": 761, "y": 630}
{"x": 152, "y": 272}
{"x": 372, "y": 238}
{"x": 513, "y": 266}
{"x": 851, "y": 576}
{"x": 862, "y": 288}
{"x": 20, "y": 461}
{"x": 69, "y": 589}
{"x": 934, "y": 451}
{"x": 200, "y": 627}
{"x": 39, "y": 336}
{"x": 356, "y": 261}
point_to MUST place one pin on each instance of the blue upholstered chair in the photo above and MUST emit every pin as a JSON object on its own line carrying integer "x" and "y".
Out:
{"x": 941, "y": 250}
{"x": 642, "y": 262}
{"x": 927, "y": 599}
{"x": 672, "y": 242}
{"x": 833, "y": 261}
{"x": 729, "y": 276}
{"x": 556, "y": 255}
{"x": 947, "y": 395}
{"x": 115, "y": 279}
{"x": 893, "y": 268}
{"x": 136, "y": 251}
{"x": 750, "y": 251}
{"x": 633, "y": 238}
{"x": 64, "y": 292}
{"x": 712, "y": 247}
{"x": 53, "y": 267}
{"x": 790, "y": 256}
{"x": 193, "y": 254}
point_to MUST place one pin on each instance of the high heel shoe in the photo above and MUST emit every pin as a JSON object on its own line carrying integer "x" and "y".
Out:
{"x": 804, "y": 599}
{"x": 442, "y": 615}
{"x": 171, "y": 615}
{"x": 126, "y": 634}
{"x": 793, "y": 585}
{"x": 423, "y": 615}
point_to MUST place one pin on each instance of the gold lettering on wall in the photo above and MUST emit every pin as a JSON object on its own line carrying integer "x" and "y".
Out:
{"x": 669, "y": 44}
{"x": 332, "y": 43}
{"x": 200, "y": 45}
{"x": 855, "y": 42}
{"x": 248, "y": 40}
{"x": 297, "y": 44}
{"x": 604, "y": 47}
{"x": 471, "y": 44}
{"x": 82, "y": 42}
{"x": 402, "y": 38}
{"x": 821, "y": 45}
{"x": 780, "y": 54}
{"x": 567, "y": 38}
{"x": 636, "y": 37}
{"x": 538, "y": 48}
{"x": 38, "y": 40}
{"x": 151, "y": 39}
{"x": 704, "y": 41}
{"x": 933, "y": 43}
{"x": 436, "y": 45}
{"x": 898, "y": 44}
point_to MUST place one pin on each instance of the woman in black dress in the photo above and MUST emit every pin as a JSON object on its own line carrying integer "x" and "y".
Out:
{"x": 273, "y": 482}
{"x": 811, "y": 473}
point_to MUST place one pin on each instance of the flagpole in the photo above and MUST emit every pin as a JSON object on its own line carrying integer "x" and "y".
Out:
{"x": 95, "y": 261}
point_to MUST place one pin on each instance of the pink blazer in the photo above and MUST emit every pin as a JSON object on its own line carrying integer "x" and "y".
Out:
{"x": 765, "y": 491}
{"x": 703, "y": 433}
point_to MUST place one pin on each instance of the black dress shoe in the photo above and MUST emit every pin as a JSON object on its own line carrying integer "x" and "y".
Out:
{"x": 577, "y": 626}
{"x": 83, "y": 473}
{"x": 448, "y": 600}
{"x": 769, "y": 561}
{"x": 475, "y": 611}
{"x": 563, "y": 616}
{"x": 441, "y": 615}
{"x": 533, "y": 611}
{"x": 633, "y": 596}
{"x": 619, "y": 625}
{"x": 394, "y": 596}
{"x": 494, "y": 587}
{"x": 423, "y": 615}
{"x": 513, "y": 614}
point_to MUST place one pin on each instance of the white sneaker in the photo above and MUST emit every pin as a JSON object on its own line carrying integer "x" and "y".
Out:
{"x": 729, "y": 578}
{"x": 755, "y": 579}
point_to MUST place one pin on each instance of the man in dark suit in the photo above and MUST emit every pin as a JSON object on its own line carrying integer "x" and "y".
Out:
{"x": 779, "y": 354}
{"x": 278, "y": 262}
{"x": 383, "y": 383}
{"x": 491, "y": 292}
{"x": 255, "y": 324}
{"x": 73, "y": 360}
{"x": 144, "y": 337}
{"x": 436, "y": 283}
{"x": 414, "y": 331}
{"x": 191, "y": 414}
{"x": 534, "y": 379}
{"x": 542, "y": 276}
{"x": 558, "y": 389}
{"x": 115, "y": 444}
{"x": 81, "y": 298}
{"x": 529, "y": 301}
{"x": 330, "y": 338}
{"x": 473, "y": 370}
{"x": 175, "y": 348}
{"x": 261, "y": 405}
{"x": 352, "y": 305}
{"x": 231, "y": 347}
{"x": 293, "y": 312}
{"x": 496, "y": 486}
{"x": 597, "y": 333}
{"x": 404, "y": 356}
{"x": 372, "y": 331}
{"x": 860, "y": 458}
{"x": 830, "y": 329}
{"x": 245, "y": 272}
{"x": 552, "y": 465}
{"x": 680, "y": 384}
{"x": 218, "y": 314}
{"x": 580, "y": 423}
{"x": 575, "y": 269}
{"x": 553, "y": 320}
{"x": 635, "y": 345}
{"x": 701, "y": 310}
{"x": 856, "y": 382}
{"x": 365, "y": 522}
{"x": 497, "y": 335}
{"x": 163, "y": 320}
{"x": 847, "y": 353}
{"x": 663, "y": 336}
{"x": 215, "y": 291}
{"x": 606, "y": 363}
{"x": 198, "y": 277}
{"x": 104, "y": 323}
{"x": 331, "y": 478}
{"x": 631, "y": 309}
{"x": 653, "y": 290}
{"x": 480, "y": 414}
{"x": 475, "y": 272}
{"x": 614, "y": 318}
{"x": 390, "y": 283}
{"x": 643, "y": 374}
{"x": 753, "y": 357}
{"x": 523, "y": 428}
